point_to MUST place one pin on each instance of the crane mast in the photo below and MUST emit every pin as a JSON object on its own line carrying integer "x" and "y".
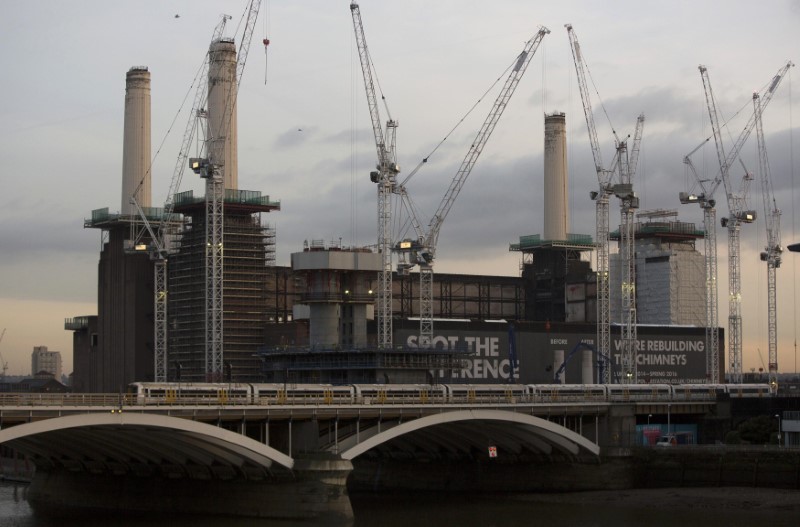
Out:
{"x": 386, "y": 179}
{"x": 628, "y": 205}
{"x": 601, "y": 197}
{"x": 734, "y": 228}
{"x": 213, "y": 171}
{"x": 710, "y": 252}
{"x": 424, "y": 250}
{"x": 773, "y": 249}
{"x": 625, "y": 163}
{"x": 737, "y": 209}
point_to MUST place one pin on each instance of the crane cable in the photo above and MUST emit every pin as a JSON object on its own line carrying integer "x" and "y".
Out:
{"x": 266, "y": 40}
{"x": 353, "y": 145}
{"x": 480, "y": 99}
{"x": 171, "y": 125}
{"x": 794, "y": 225}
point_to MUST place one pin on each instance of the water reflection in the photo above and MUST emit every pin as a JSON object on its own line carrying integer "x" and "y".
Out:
{"x": 485, "y": 510}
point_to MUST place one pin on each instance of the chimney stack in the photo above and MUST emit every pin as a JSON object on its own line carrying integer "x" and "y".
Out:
{"x": 136, "y": 141}
{"x": 222, "y": 148}
{"x": 556, "y": 221}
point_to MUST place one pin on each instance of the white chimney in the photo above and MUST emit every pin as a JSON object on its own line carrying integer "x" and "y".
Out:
{"x": 556, "y": 222}
{"x": 222, "y": 148}
{"x": 136, "y": 141}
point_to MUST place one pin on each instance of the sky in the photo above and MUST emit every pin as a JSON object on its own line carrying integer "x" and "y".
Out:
{"x": 305, "y": 135}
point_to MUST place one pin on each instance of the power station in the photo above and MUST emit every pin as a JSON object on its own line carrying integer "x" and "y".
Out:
{"x": 318, "y": 320}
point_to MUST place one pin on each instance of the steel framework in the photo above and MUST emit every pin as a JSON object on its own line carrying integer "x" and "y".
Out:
{"x": 625, "y": 164}
{"x": 386, "y": 179}
{"x": 738, "y": 211}
{"x": 738, "y": 214}
{"x": 773, "y": 249}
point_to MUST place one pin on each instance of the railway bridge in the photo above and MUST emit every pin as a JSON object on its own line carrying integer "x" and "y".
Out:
{"x": 293, "y": 458}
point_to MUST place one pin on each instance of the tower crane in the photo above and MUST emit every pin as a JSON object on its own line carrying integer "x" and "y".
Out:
{"x": 628, "y": 205}
{"x": 212, "y": 170}
{"x": 385, "y": 177}
{"x": 738, "y": 213}
{"x": 773, "y": 250}
{"x": 422, "y": 250}
{"x": 624, "y": 163}
{"x": 708, "y": 204}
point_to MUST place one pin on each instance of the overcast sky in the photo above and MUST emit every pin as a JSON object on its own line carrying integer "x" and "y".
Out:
{"x": 305, "y": 136}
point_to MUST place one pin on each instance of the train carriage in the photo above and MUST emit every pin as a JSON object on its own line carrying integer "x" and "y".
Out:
{"x": 399, "y": 393}
{"x": 191, "y": 393}
{"x": 486, "y": 393}
{"x": 639, "y": 392}
{"x": 277, "y": 393}
{"x": 553, "y": 393}
{"x": 697, "y": 392}
{"x": 748, "y": 390}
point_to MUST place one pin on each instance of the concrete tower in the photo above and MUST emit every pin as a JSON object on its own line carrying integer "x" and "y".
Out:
{"x": 222, "y": 148}
{"x": 136, "y": 141}
{"x": 339, "y": 284}
{"x": 556, "y": 222}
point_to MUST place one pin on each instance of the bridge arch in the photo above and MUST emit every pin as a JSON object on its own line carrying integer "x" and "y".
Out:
{"x": 462, "y": 430}
{"x": 133, "y": 442}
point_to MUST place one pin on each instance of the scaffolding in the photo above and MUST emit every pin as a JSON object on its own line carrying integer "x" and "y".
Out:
{"x": 671, "y": 271}
{"x": 249, "y": 286}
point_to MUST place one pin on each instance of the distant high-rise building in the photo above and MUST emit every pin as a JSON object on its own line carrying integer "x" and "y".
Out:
{"x": 43, "y": 360}
{"x": 670, "y": 272}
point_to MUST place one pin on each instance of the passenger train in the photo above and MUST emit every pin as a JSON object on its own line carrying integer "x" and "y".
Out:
{"x": 286, "y": 394}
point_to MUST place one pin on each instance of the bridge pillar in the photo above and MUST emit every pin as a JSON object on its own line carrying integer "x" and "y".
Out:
{"x": 620, "y": 431}
{"x": 322, "y": 484}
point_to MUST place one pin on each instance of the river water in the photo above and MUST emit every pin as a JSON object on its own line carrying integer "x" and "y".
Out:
{"x": 686, "y": 509}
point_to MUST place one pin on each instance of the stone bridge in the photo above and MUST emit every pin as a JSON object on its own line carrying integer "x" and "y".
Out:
{"x": 291, "y": 461}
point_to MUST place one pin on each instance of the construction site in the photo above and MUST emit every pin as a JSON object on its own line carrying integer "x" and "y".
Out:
{"x": 190, "y": 291}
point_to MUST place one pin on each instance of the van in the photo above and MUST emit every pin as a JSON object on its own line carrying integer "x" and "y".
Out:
{"x": 668, "y": 440}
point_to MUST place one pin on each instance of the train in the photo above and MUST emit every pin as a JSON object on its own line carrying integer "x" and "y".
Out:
{"x": 263, "y": 394}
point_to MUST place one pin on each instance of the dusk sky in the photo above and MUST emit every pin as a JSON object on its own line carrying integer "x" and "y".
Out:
{"x": 305, "y": 137}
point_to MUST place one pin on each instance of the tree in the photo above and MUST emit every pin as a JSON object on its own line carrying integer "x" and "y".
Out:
{"x": 759, "y": 430}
